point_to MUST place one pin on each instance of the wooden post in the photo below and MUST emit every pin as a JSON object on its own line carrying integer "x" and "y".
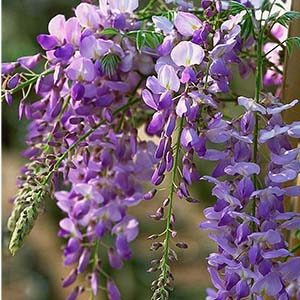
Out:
{"x": 291, "y": 91}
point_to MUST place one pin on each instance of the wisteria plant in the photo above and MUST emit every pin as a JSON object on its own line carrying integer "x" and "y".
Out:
{"x": 115, "y": 69}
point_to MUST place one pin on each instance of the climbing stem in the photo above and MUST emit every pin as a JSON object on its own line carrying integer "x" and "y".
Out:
{"x": 165, "y": 258}
{"x": 258, "y": 87}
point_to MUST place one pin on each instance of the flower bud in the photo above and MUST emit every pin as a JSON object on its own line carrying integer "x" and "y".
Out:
{"x": 149, "y": 195}
{"x": 182, "y": 245}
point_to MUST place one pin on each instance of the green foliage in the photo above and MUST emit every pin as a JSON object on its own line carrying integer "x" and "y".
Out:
{"x": 170, "y": 15}
{"x": 110, "y": 63}
{"x": 292, "y": 42}
{"x": 109, "y": 32}
{"x": 247, "y": 26}
{"x": 236, "y": 7}
{"x": 146, "y": 38}
{"x": 287, "y": 17}
{"x": 266, "y": 5}
{"x": 140, "y": 40}
{"x": 281, "y": 6}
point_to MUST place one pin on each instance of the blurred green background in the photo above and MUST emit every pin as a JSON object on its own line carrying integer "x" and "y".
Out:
{"x": 35, "y": 272}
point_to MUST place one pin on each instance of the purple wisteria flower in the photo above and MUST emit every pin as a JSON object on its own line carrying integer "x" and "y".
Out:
{"x": 112, "y": 71}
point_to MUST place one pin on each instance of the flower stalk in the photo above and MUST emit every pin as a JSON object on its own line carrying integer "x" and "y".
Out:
{"x": 258, "y": 87}
{"x": 24, "y": 220}
{"x": 164, "y": 278}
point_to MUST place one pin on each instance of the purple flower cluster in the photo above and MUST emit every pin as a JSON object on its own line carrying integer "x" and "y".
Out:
{"x": 105, "y": 182}
{"x": 186, "y": 83}
{"x": 251, "y": 243}
{"x": 79, "y": 111}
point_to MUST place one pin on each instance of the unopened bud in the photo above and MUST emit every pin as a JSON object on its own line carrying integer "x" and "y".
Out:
{"x": 155, "y": 246}
{"x": 149, "y": 195}
{"x": 182, "y": 245}
{"x": 173, "y": 219}
{"x": 166, "y": 202}
{"x": 151, "y": 270}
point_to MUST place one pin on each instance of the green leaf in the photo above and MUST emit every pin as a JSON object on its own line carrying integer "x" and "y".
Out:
{"x": 247, "y": 26}
{"x": 109, "y": 31}
{"x": 152, "y": 39}
{"x": 146, "y": 38}
{"x": 266, "y": 5}
{"x": 292, "y": 42}
{"x": 236, "y": 7}
{"x": 110, "y": 63}
{"x": 140, "y": 40}
{"x": 287, "y": 17}
{"x": 280, "y": 6}
{"x": 170, "y": 15}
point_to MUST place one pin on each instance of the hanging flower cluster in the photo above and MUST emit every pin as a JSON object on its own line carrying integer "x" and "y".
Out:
{"x": 251, "y": 242}
{"x": 113, "y": 69}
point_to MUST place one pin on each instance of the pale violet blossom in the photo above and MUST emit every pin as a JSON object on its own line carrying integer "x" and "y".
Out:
{"x": 251, "y": 104}
{"x": 123, "y": 6}
{"x": 187, "y": 23}
{"x": 187, "y": 54}
{"x": 168, "y": 78}
{"x": 163, "y": 24}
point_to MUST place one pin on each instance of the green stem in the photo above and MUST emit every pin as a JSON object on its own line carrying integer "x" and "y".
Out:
{"x": 27, "y": 82}
{"x": 295, "y": 248}
{"x": 96, "y": 259}
{"x": 165, "y": 258}
{"x": 258, "y": 87}
{"x": 275, "y": 47}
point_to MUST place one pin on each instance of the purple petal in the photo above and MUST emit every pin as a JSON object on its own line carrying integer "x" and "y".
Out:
{"x": 122, "y": 247}
{"x": 81, "y": 69}
{"x": 95, "y": 283}
{"x": 182, "y": 107}
{"x": 279, "y": 109}
{"x": 187, "y": 54}
{"x": 154, "y": 85}
{"x": 113, "y": 291}
{"x": 64, "y": 52}
{"x": 29, "y": 62}
{"x": 283, "y": 176}
{"x": 47, "y": 42}
{"x": 84, "y": 260}
{"x": 156, "y": 124}
{"x": 187, "y": 23}
{"x": 114, "y": 259}
{"x": 88, "y": 16}
{"x": 251, "y": 105}
{"x": 168, "y": 78}
{"x": 148, "y": 99}
{"x": 290, "y": 270}
{"x": 70, "y": 279}
{"x": 7, "y": 68}
{"x": 276, "y": 253}
{"x": 243, "y": 168}
{"x": 271, "y": 284}
{"x": 294, "y": 130}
